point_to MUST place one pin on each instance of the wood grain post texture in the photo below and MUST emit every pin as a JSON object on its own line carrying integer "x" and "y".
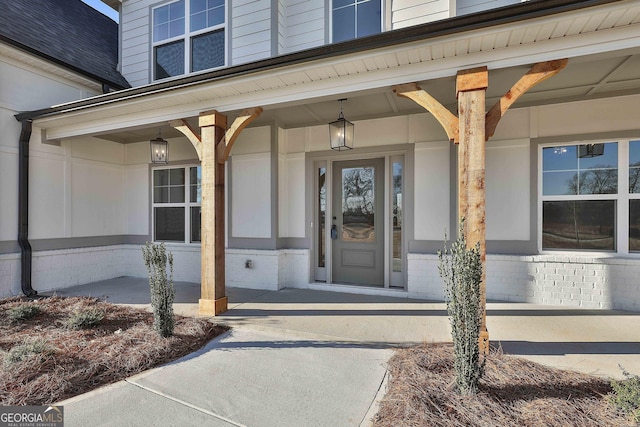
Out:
{"x": 471, "y": 86}
{"x": 213, "y": 299}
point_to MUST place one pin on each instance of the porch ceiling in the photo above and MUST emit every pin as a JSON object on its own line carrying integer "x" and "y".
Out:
{"x": 602, "y": 43}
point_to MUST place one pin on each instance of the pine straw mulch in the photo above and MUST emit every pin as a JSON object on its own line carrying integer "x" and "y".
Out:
{"x": 124, "y": 343}
{"x": 513, "y": 392}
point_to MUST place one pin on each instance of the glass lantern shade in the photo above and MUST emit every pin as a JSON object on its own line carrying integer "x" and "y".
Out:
{"x": 159, "y": 151}
{"x": 341, "y": 134}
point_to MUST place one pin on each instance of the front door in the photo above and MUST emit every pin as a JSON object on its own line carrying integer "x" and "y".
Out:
{"x": 358, "y": 222}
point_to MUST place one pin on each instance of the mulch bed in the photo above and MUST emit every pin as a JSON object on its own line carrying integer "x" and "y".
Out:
{"x": 76, "y": 361}
{"x": 513, "y": 392}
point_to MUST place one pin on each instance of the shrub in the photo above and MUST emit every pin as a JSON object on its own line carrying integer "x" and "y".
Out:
{"x": 23, "y": 312}
{"x": 26, "y": 349}
{"x": 461, "y": 270}
{"x": 626, "y": 395}
{"x": 162, "y": 290}
{"x": 84, "y": 319}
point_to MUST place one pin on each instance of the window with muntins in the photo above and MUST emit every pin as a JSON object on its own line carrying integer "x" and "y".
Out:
{"x": 176, "y": 199}
{"x": 591, "y": 196}
{"x": 188, "y": 36}
{"x": 351, "y": 19}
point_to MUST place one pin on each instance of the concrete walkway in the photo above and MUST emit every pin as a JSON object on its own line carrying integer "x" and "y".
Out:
{"x": 310, "y": 358}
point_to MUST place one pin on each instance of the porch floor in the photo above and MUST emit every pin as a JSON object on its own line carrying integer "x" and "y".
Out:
{"x": 324, "y": 353}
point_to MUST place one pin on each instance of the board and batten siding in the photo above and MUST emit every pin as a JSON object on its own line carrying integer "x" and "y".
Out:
{"x": 250, "y": 186}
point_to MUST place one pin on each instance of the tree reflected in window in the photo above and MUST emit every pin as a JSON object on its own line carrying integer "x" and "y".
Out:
{"x": 358, "y": 204}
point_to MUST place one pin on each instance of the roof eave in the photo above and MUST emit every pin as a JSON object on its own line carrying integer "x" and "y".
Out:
{"x": 485, "y": 19}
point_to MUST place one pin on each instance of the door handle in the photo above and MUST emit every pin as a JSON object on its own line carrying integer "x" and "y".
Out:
{"x": 334, "y": 232}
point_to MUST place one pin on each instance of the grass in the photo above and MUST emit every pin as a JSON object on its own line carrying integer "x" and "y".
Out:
{"x": 84, "y": 319}
{"x": 74, "y": 345}
{"x": 23, "y": 312}
{"x": 513, "y": 392}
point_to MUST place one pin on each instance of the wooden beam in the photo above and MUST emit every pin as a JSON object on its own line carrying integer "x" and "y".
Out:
{"x": 192, "y": 135}
{"x": 213, "y": 300}
{"x": 241, "y": 122}
{"x": 446, "y": 118}
{"x": 471, "y": 86}
{"x": 538, "y": 73}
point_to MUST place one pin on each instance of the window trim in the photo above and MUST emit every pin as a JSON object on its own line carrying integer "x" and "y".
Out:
{"x": 382, "y": 19}
{"x": 186, "y": 38}
{"x": 621, "y": 199}
{"x": 187, "y": 204}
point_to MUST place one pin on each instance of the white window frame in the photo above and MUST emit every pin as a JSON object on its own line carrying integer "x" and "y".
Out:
{"x": 382, "y": 18}
{"x": 186, "y": 38}
{"x": 621, "y": 199}
{"x": 187, "y": 204}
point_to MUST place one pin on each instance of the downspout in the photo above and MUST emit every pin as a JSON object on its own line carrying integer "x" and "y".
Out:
{"x": 23, "y": 208}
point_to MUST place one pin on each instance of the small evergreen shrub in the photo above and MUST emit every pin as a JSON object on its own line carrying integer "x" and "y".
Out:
{"x": 461, "y": 270}
{"x": 84, "y": 319}
{"x": 23, "y": 312}
{"x": 626, "y": 395}
{"x": 162, "y": 291}
{"x": 27, "y": 348}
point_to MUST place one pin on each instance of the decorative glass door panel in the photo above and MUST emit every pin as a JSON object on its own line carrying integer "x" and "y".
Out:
{"x": 357, "y": 223}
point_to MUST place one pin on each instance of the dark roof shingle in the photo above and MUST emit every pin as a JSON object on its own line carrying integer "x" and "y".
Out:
{"x": 68, "y": 32}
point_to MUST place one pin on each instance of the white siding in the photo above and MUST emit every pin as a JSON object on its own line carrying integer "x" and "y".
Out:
{"x": 98, "y": 197}
{"x": 8, "y": 191}
{"x": 250, "y": 30}
{"x": 508, "y": 200}
{"x": 136, "y": 41}
{"x": 585, "y": 117}
{"x": 251, "y": 184}
{"x": 405, "y": 13}
{"x": 470, "y": 6}
{"x": 291, "y": 197}
{"x": 432, "y": 190}
{"x": 137, "y": 199}
{"x": 251, "y": 195}
{"x": 24, "y": 87}
{"x": 46, "y": 196}
{"x": 304, "y": 24}
{"x": 282, "y": 30}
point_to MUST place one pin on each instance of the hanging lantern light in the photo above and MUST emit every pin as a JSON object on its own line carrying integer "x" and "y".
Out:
{"x": 341, "y": 132}
{"x": 159, "y": 150}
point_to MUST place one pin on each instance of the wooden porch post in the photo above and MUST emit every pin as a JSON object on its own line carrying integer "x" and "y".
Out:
{"x": 213, "y": 300}
{"x": 471, "y": 129}
{"x": 471, "y": 87}
{"x": 213, "y": 144}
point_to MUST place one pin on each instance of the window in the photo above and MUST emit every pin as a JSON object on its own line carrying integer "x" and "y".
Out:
{"x": 188, "y": 35}
{"x": 591, "y": 196}
{"x": 355, "y": 18}
{"x": 579, "y": 188}
{"x": 177, "y": 195}
{"x": 634, "y": 196}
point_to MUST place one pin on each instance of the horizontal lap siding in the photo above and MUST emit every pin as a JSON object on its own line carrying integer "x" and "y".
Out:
{"x": 405, "y": 13}
{"x": 470, "y": 6}
{"x": 136, "y": 42}
{"x": 304, "y": 24}
{"x": 251, "y": 31}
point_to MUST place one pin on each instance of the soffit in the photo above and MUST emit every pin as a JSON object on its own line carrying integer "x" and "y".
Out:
{"x": 603, "y": 43}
